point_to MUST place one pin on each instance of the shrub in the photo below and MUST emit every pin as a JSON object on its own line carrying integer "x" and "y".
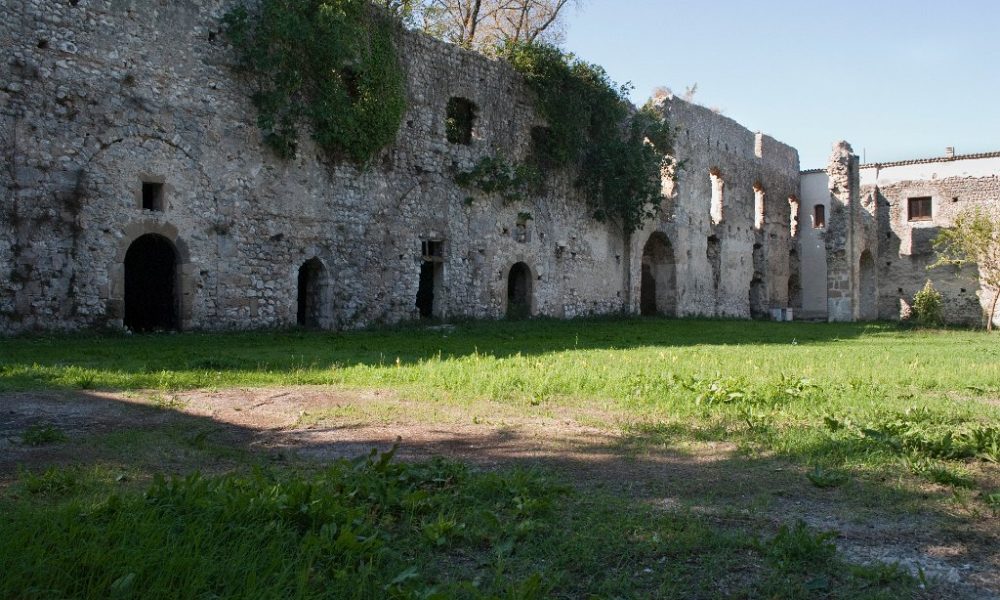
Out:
{"x": 927, "y": 306}
{"x": 331, "y": 63}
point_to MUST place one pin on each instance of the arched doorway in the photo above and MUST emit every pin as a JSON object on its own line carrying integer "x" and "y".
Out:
{"x": 868, "y": 296}
{"x": 151, "y": 299}
{"x": 312, "y": 284}
{"x": 658, "y": 284}
{"x": 519, "y": 292}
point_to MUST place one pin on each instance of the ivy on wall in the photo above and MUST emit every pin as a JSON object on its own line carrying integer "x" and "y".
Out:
{"x": 619, "y": 153}
{"x": 494, "y": 175}
{"x": 329, "y": 63}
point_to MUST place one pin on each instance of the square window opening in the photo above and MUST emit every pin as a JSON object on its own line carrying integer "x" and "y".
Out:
{"x": 152, "y": 195}
{"x": 433, "y": 250}
{"x": 919, "y": 209}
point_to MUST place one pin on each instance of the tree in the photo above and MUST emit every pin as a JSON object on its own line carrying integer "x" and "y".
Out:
{"x": 974, "y": 239}
{"x": 484, "y": 25}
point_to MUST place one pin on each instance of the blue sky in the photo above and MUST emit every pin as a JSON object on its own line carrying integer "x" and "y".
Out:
{"x": 897, "y": 79}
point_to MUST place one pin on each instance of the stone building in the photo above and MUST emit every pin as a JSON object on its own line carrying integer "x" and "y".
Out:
{"x": 136, "y": 192}
{"x": 867, "y": 246}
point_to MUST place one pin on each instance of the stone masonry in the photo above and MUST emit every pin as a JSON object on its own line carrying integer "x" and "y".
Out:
{"x": 110, "y": 106}
{"x": 132, "y": 161}
{"x": 882, "y": 219}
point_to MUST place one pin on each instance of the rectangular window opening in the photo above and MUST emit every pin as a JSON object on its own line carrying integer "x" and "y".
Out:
{"x": 460, "y": 120}
{"x": 433, "y": 250}
{"x": 919, "y": 209}
{"x": 819, "y": 216}
{"x": 152, "y": 195}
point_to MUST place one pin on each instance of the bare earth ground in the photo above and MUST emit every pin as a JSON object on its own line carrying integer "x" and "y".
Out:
{"x": 208, "y": 430}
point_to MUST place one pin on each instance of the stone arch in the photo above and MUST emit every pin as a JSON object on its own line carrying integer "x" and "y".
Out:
{"x": 313, "y": 305}
{"x": 157, "y": 237}
{"x": 658, "y": 283}
{"x": 150, "y": 298}
{"x": 868, "y": 288}
{"x": 520, "y": 299}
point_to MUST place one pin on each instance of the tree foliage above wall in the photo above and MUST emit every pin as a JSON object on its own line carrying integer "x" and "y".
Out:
{"x": 329, "y": 63}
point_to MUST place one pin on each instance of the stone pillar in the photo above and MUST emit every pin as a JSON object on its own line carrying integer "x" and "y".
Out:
{"x": 842, "y": 235}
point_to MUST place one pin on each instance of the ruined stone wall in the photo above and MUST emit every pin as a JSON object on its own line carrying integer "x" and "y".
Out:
{"x": 737, "y": 265}
{"x": 905, "y": 249}
{"x": 851, "y": 242}
{"x": 99, "y": 95}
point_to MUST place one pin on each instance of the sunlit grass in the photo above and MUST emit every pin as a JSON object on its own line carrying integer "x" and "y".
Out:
{"x": 766, "y": 386}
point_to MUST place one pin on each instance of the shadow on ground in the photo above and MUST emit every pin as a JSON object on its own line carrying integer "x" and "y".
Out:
{"x": 222, "y": 431}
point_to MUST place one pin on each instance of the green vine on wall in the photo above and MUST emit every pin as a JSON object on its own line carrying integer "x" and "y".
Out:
{"x": 329, "y": 63}
{"x": 495, "y": 175}
{"x": 619, "y": 153}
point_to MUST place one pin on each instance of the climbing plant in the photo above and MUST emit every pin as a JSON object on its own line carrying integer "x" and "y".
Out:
{"x": 495, "y": 175}
{"x": 329, "y": 63}
{"x": 619, "y": 153}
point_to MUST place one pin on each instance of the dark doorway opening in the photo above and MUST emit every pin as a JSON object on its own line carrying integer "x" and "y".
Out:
{"x": 310, "y": 298}
{"x": 519, "y": 293}
{"x": 647, "y": 292}
{"x": 151, "y": 284}
{"x": 658, "y": 284}
{"x": 758, "y": 297}
{"x": 713, "y": 252}
{"x": 431, "y": 276}
{"x": 868, "y": 295}
{"x": 425, "y": 293}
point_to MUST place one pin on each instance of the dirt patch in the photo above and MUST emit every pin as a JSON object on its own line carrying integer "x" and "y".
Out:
{"x": 317, "y": 424}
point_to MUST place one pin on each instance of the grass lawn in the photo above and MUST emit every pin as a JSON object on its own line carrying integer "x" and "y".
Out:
{"x": 863, "y": 417}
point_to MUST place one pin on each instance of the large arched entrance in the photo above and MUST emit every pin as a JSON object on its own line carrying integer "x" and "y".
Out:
{"x": 519, "y": 292}
{"x": 151, "y": 299}
{"x": 658, "y": 285}
{"x": 312, "y": 287}
{"x": 868, "y": 296}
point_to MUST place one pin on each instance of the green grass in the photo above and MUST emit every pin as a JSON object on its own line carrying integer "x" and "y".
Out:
{"x": 374, "y": 528}
{"x": 861, "y": 396}
{"x": 589, "y": 358}
{"x": 863, "y": 410}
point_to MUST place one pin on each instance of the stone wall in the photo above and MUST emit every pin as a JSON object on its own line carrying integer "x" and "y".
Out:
{"x": 100, "y": 97}
{"x": 905, "y": 248}
{"x": 871, "y": 258}
{"x": 722, "y": 263}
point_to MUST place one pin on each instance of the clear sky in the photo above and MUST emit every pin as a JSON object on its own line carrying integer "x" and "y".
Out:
{"x": 898, "y": 79}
